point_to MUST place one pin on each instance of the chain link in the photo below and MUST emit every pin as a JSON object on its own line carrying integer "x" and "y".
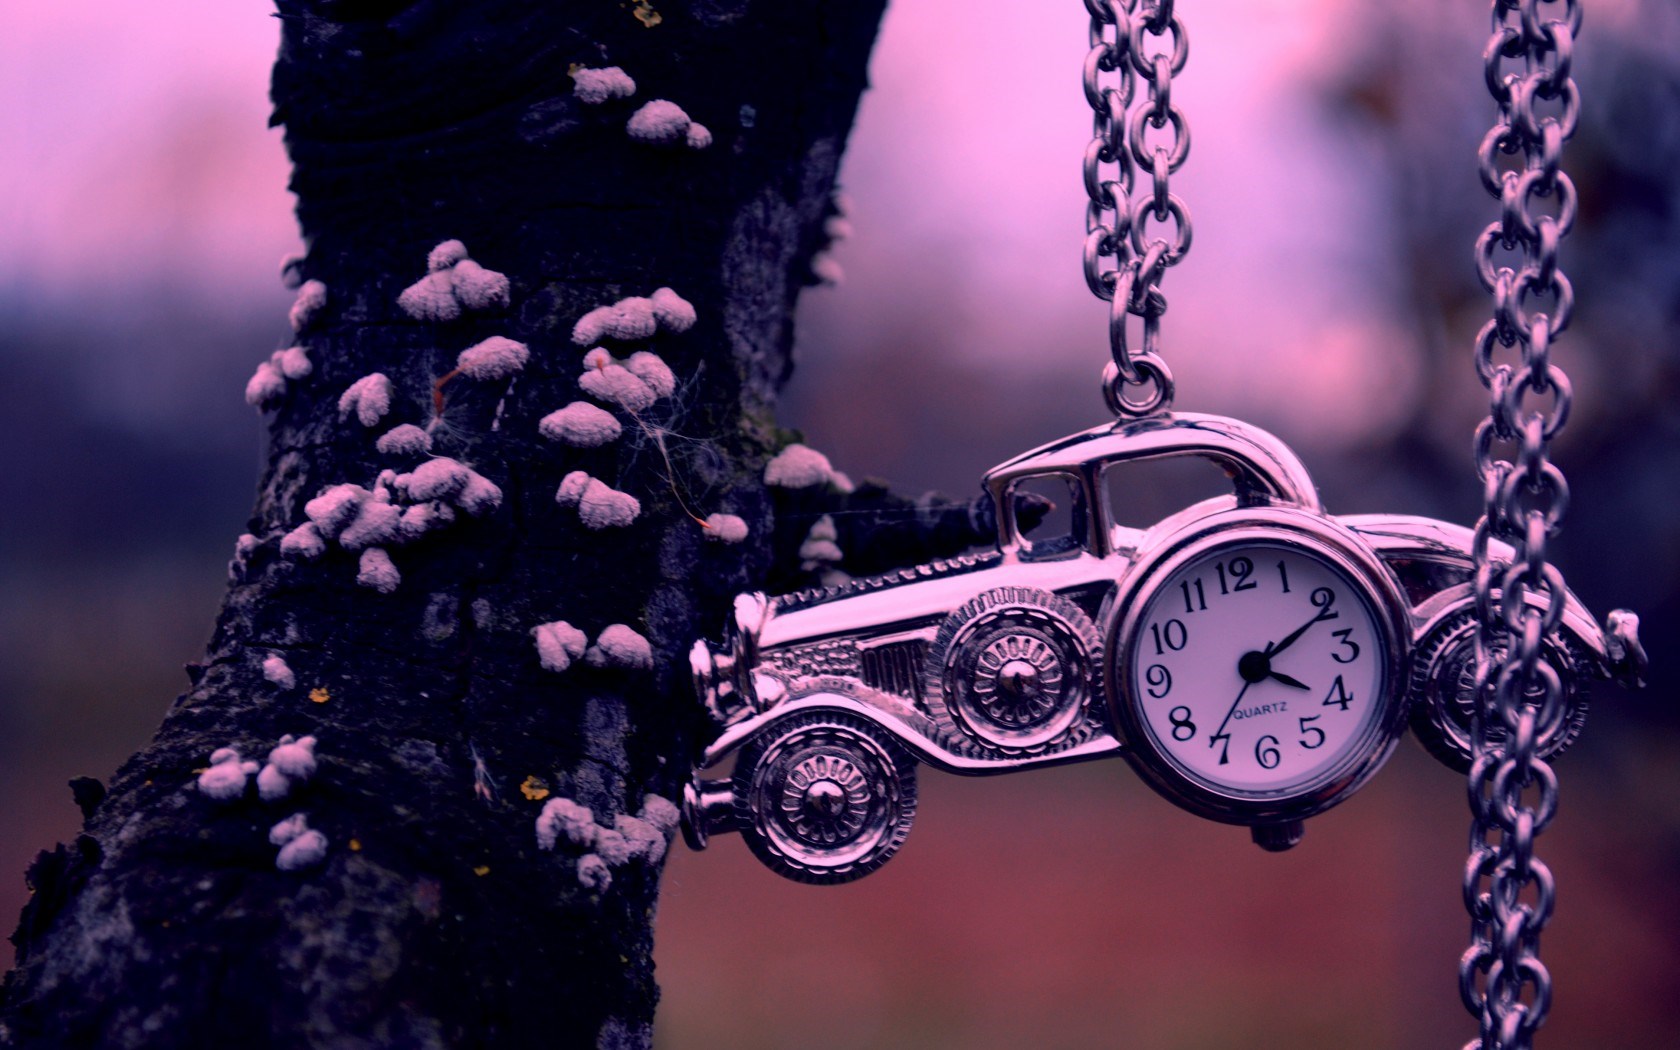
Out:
{"x": 1124, "y": 260}
{"x": 1508, "y": 891}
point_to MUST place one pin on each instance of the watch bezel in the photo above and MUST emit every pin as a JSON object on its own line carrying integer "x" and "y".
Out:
{"x": 1285, "y": 527}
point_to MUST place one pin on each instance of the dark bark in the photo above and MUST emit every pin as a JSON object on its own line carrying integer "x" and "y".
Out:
{"x": 435, "y": 919}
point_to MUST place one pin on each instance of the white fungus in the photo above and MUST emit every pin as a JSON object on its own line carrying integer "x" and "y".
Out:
{"x": 272, "y": 784}
{"x": 442, "y": 478}
{"x": 607, "y": 378}
{"x": 629, "y": 318}
{"x": 725, "y": 528}
{"x": 645, "y": 840}
{"x": 275, "y": 670}
{"x": 659, "y": 123}
{"x": 310, "y": 298}
{"x": 294, "y": 756}
{"x": 291, "y": 270}
{"x": 422, "y": 518}
{"x": 819, "y": 547}
{"x": 437, "y": 478}
{"x": 305, "y": 851}
{"x": 612, "y": 847}
{"x": 368, "y": 397}
{"x": 798, "y": 467}
{"x": 837, "y": 228}
{"x": 596, "y": 86}
{"x": 377, "y": 571}
{"x": 662, "y": 813}
{"x": 651, "y": 369}
{"x": 600, "y": 506}
{"x": 635, "y": 317}
{"x": 303, "y": 542}
{"x": 478, "y": 288}
{"x": 405, "y": 439}
{"x": 375, "y": 523}
{"x": 495, "y": 358}
{"x": 227, "y": 776}
{"x": 242, "y": 549}
{"x": 673, "y": 312}
{"x": 445, "y": 255}
{"x": 291, "y": 762}
{"x": 293, "y": 362}
{"x": 563, "y": 818}
{"x": 615, "y": 384}
{"x": 827, "y": 270}
{"x": 593, "y": 873}
{"x": 266, "y": 384}
{"x": 698, "y": 136}
{"x": 571, "y": 488}
{"x": 619, "y": 645}
{"x": 335, "y": 507}
{"x": 479, "y": 494}
{"x": 817, "y": 553}
{"x": 431, "y": 298}
{"x": 288, "y": 829}
{"x": 558, "y": 644}
{"x": 580, "y": 425}
{"x": 453, "y": 282}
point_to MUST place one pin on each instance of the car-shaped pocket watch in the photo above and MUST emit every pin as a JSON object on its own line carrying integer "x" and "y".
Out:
{"x": 1253, "y": 658}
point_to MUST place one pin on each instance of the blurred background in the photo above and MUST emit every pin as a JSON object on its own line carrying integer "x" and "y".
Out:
{"x": 1328, "y": 297}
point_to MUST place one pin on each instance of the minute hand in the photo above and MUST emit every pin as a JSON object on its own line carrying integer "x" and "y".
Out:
{"x": 1293, "y": 636}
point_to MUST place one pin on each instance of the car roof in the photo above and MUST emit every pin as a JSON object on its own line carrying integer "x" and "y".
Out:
{"x": 1259, "y": 463}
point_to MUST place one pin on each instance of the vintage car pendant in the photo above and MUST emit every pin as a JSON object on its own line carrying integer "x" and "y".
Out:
{"x": 1253, "y": 658}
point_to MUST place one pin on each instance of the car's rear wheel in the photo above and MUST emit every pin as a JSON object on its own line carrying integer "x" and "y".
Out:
{"x": 1012, "y": 671}
{"x": 1443, "y": 691}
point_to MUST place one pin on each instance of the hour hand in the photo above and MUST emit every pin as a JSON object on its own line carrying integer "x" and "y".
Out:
{"x": 1286, "y": 680}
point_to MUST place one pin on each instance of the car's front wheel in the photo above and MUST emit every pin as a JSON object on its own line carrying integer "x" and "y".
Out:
{"x": 826, "y": 797}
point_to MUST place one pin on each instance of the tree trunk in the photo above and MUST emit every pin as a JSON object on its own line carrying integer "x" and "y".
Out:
{"x": 439, "y": 913}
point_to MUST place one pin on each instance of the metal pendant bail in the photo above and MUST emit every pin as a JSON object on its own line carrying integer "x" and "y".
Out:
{"x": 1154, "y": 379}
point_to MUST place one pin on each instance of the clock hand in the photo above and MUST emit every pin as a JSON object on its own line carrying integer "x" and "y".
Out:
{"x": 1256, "y": 666}
{"x": 1286, "y": 680}
{"x": 1293, "y": 636}
{"x": 1221, "y": 730}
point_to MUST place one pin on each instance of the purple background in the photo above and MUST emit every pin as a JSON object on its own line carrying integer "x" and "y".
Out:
{"x": 142, "y": 218}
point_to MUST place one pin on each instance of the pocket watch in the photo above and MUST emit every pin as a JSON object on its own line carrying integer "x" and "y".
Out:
{"x": 1251, "y": 656}
{"x": 1261, "y": 667}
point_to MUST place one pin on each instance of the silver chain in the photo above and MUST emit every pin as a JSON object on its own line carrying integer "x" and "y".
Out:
{"x": 1132, "y": 39}
{"x": 1508, "y": 891}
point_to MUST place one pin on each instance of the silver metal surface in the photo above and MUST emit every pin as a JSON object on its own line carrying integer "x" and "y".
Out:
{"x": 1132, "y": 39}
{"x": 1016, "y": 658}
{"x": 1522, "y": 709}
{"x": 826, "y": 798}
{"x": 1445, "y": 675}
{"x": 1248, "y": 529}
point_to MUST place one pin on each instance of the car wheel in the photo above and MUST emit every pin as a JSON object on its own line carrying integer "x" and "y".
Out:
{"x": 825, "y": 797}
{"x": 1013, "y": 670}
{"x": 1443, "y": 691}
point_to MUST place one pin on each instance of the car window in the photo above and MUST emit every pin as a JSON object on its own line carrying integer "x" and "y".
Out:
{"x": 1140, "y": 493}
{"x": 1050, "y": 515}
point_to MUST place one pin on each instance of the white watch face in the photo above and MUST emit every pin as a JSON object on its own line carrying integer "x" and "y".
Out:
{"x": 1258, "y": 668}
